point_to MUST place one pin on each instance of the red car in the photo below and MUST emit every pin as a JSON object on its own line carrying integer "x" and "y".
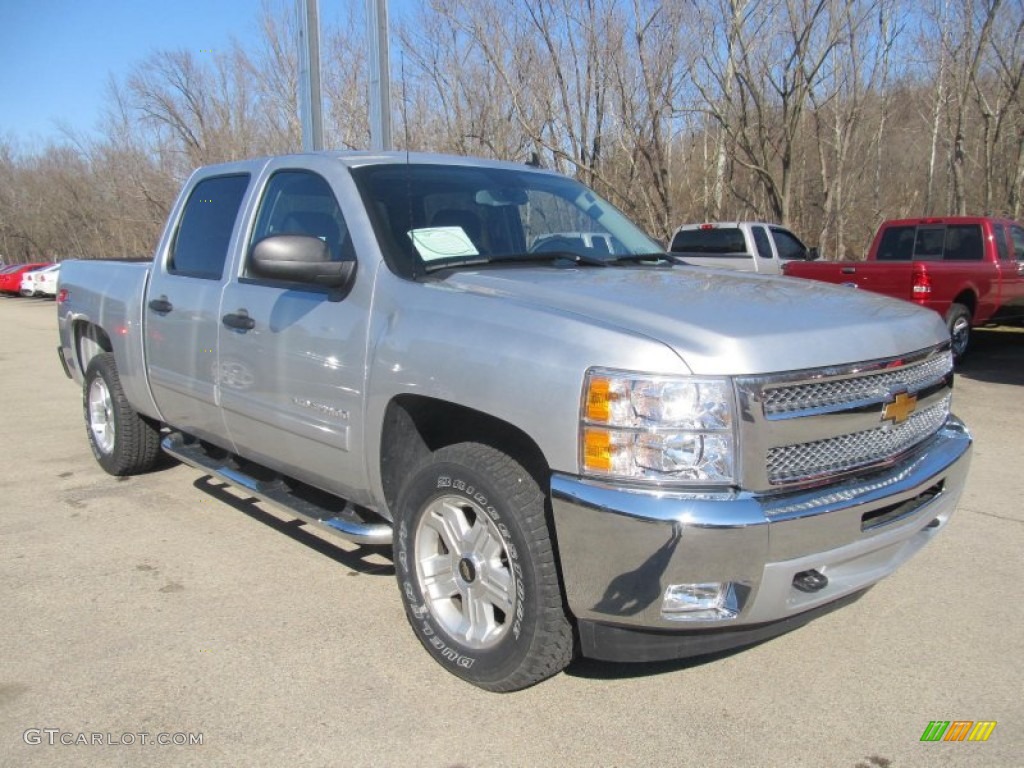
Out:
{"x": 10, "y": 276}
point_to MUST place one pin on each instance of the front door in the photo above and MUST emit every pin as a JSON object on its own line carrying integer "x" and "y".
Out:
{"x": 292, "y": 355}
{"x": 1013, "y": 274}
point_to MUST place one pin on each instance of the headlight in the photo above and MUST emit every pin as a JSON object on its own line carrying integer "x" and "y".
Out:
{"x": 671, "y": 429}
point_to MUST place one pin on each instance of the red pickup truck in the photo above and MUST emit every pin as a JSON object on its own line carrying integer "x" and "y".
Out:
{"x": 969, "y": 269}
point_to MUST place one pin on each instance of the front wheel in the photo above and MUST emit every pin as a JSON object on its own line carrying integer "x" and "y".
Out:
{"x": 958, "y": 320}
{"x": 123, "y": 442}
{"x": 477, "y": 572}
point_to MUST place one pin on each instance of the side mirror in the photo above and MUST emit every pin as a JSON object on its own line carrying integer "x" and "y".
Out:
{"x": 299, "y": 259}
{"x": 813, "y": 254}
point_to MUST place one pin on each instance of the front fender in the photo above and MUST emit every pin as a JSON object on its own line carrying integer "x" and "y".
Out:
{"x": 518, "y": 363}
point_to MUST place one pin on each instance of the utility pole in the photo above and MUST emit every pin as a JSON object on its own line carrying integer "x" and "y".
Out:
{"x": 310, "y": 100}
{"x": 380, "y": 74}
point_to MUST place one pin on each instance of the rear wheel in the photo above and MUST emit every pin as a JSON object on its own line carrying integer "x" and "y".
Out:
{"x": 958, "y": 320}
{"x": 123, "y": 442}
{"x": 476, "y": 569}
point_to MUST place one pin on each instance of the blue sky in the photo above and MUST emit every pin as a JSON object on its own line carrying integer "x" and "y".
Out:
{"x": 56, "y": 56}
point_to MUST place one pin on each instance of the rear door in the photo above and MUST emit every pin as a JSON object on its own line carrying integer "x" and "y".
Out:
{"x": 292, "y": 374}
{"x": 182, "y": 307}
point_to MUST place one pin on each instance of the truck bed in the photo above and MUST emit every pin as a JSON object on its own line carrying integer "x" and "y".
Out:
{"x": 107, "y": 294}
{"x": 891, "y": 279}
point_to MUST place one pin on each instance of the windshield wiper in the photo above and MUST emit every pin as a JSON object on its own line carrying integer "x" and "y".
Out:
{"x": 499, "y": 260}
{"x": 572, "y": 257}
{"x": 632, "y": 258}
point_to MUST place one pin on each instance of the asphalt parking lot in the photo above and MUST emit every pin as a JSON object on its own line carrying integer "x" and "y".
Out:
{"x": 165, "y": 605}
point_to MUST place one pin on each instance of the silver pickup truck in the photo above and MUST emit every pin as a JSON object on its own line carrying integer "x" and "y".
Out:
{"x": 748, "y": 246}
{"x": 574, "y": 443}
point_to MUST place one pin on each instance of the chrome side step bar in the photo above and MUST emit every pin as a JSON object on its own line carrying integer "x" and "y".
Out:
{"x": 346, "y": 523}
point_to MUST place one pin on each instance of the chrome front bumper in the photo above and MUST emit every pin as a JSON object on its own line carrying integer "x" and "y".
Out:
{"x": 620, "y": 548}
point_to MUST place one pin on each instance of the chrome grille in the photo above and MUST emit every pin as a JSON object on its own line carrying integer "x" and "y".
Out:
{"x": 825, "y": 394}
{"x": 804, "y": 461}
{"x": 811, "y": 427}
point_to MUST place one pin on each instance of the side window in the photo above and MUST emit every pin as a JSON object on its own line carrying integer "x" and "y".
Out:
{"x": 200, "y": 245}
{"x": 764, "y": 247}
{"x": 963, "y": 243}
{"x": 897, "y": 244}
{"x": 999, "y": 233}
{"x": 1017, "y": 235}
{"x": 788, "y": 246}
{"x": 930, "y": 243}
{"x": 302, "y": 203}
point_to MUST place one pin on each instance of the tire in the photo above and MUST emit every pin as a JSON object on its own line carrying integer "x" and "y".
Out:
{"x": 958, "y": 320}
{"x": 476, "y": 569}
{"x": 123, "y": 442}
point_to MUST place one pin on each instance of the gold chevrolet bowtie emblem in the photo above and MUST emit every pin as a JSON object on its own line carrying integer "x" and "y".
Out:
{"x": 900, "y": 408}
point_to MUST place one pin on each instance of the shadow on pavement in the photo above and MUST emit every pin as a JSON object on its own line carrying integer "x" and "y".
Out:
{"x": 295, "y": 529}
{"x": 591, "y": 669}
{"x": 996, "y": 355}
{"x": 754, "y": 635}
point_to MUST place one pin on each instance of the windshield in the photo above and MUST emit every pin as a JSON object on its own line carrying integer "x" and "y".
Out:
{"x": 431, "y": 216}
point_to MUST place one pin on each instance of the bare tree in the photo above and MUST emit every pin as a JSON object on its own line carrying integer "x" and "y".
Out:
{"x": 450, "y": 98}
{"x": 997, "y": 96}
{"x": 778, "y": 50}
{"x": 852, "y": 79}
{"x": 654, "y": 107}
{"x": 965, "y": 37}
{"x": 346, "y": 83}
{"x": 550, "y": 64}
{"x": 827, "y": 115}
{"x": 940, "y": 101}
{"x": 273, "y": 70}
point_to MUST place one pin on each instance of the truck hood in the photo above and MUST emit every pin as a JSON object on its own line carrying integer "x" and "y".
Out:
{"x": 719, "y": 321}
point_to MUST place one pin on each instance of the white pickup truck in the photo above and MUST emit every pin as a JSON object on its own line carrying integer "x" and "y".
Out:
{"x": 574, "y": 443}
{"x": 748, "y": 246}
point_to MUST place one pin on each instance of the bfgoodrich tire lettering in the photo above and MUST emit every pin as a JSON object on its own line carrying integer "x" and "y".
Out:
{"x": 476, "y": 569}
{"x": 123, "y": 442}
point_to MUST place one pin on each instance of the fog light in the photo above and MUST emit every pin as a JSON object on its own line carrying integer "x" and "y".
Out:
{"x": 708, "y": 601}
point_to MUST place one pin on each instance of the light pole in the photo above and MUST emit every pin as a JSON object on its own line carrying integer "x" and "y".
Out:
{"x": 310, "y": 100}
{"x": 380, "y": 74}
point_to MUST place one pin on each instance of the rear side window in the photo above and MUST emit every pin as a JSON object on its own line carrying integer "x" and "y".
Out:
{"x": 719, "y": 240}
{"x": 201, "y": 244}
{"x": 963, "y": 243}
{"x": 929, "y": 243}
{"x": 897, "y": 244}
{"x": 764, "y": 247}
